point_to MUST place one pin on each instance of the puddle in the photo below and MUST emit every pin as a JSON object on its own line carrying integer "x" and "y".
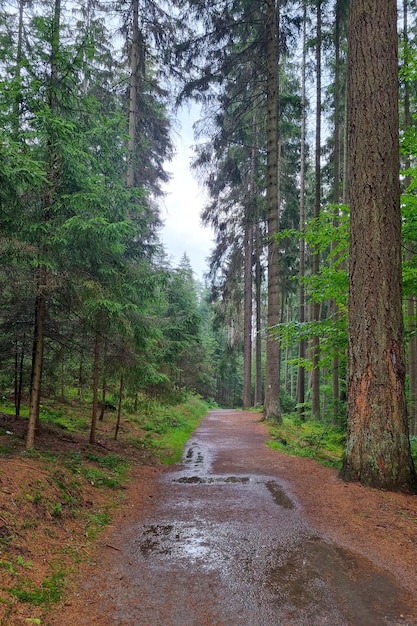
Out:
{"x": 306, "y": 575}
{"x": 191, "y": 457}
{"x": 204, "y": 480}
{"x": 278, "y": 494}
{"x": 170, "y": 540}
{"x": 152, "y": 542}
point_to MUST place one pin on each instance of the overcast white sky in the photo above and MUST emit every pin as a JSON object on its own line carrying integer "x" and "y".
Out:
{"x": 182, "y": 231}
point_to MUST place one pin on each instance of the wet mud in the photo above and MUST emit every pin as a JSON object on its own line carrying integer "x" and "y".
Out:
{"x": 225, "y": 542}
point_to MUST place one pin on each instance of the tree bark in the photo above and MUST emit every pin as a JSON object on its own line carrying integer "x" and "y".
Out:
{"x": 119, "y": 406}
{"x": 315, "y": 342}
{"x": 411, "y": 304}
{"x": 37, "y": 362}
{"x": 96, "y": 367}
{"x": 133, "y": 95}
{"x": 272, "y": 410}
{"x": 248, "y": 311}
{"x": 378, "y": 448}
{"x": 301, "y": 288}
{"x": 247, "y": 353}
{"x": 336, "y": 195}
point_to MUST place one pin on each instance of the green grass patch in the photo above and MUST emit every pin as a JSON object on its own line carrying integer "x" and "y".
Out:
{"x": 108, "y": 470}
{"x": 67, "y": 418}
{"x": 96, "y": 522}
{"x": 167, "y": 428}
{"x": 316, "y": 440}
{"x": 50, "y": 591}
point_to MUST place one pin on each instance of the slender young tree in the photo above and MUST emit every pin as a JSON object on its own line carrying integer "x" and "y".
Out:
{"x": 377, "y": 448}
{"x": 48, "y": 200}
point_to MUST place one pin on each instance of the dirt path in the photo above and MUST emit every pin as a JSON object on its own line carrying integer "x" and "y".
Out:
{"x": 240, "y": 534}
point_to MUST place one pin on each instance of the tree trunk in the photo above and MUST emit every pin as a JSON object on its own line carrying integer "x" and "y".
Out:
{"x": 248, "y": 310}
{"x": 301, "y": 288}
{"x": 411, "y": 305}
{"x": 81, "y": 377}
{"x": 104, "y": 385}
{"x": 412, "y": 365}
{"x": 19, "y": 61}
{"x": 378, "y": 448}
{"x": 315, "y": 343}
{"x": 18, "y": 379}
{"x": 119, "y": 406}
{"x": 272, "y": 409}
{"x": 247, "y": 352}
{"x": 37, "y": 362}
{"x": 96, "y": 367}
{"x": 336, "y": 195}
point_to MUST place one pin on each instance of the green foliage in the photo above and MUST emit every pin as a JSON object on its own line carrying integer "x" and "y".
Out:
{"x": 67, "y": 418}
{"x": 106, "y": 470}
{"x": 50, "y": 591}
{"x": 96, "y": 521}
{"x": 322, "y": 442}
{"x": 329, "y": 235}
{"x": 169, "y": 427}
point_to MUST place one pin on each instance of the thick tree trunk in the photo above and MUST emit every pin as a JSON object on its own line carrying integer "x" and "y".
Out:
{"x": 378, "y": 448}
{"x": 272, "y": 410}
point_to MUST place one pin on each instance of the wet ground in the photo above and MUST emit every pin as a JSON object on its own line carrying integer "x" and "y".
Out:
{"x": 225, "y": 542}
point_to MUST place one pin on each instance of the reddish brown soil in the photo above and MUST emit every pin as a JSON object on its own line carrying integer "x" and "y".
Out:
{"x": 381, "y": 526}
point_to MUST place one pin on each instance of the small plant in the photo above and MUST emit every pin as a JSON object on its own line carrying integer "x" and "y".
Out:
{"x": 96, "y": 521}
{"x": 8, "y": 566}
{"x": 56, "y": 510}
{"x": 21, "y": 561}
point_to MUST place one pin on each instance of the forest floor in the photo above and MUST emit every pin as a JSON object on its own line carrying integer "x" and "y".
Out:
{"x": 48, "y": 552}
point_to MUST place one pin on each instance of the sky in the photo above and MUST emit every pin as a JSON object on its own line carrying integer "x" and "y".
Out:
{"x": 182, "y": 205}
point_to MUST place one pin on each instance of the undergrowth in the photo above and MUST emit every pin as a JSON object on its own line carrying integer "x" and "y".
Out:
{"x": 317, "y": 440}
{"x": 167, "y": 428}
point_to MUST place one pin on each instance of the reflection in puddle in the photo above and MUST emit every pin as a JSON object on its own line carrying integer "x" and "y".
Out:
{"x": 180, "y": 541}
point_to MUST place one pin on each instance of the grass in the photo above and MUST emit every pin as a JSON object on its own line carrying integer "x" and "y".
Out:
{"x": 168, "y": 428}
{"x": 316, "y": 440}
{"x": 50, "y": 591}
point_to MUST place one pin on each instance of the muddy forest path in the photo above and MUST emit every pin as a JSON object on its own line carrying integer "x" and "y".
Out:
{"x": 240, "y": 534}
